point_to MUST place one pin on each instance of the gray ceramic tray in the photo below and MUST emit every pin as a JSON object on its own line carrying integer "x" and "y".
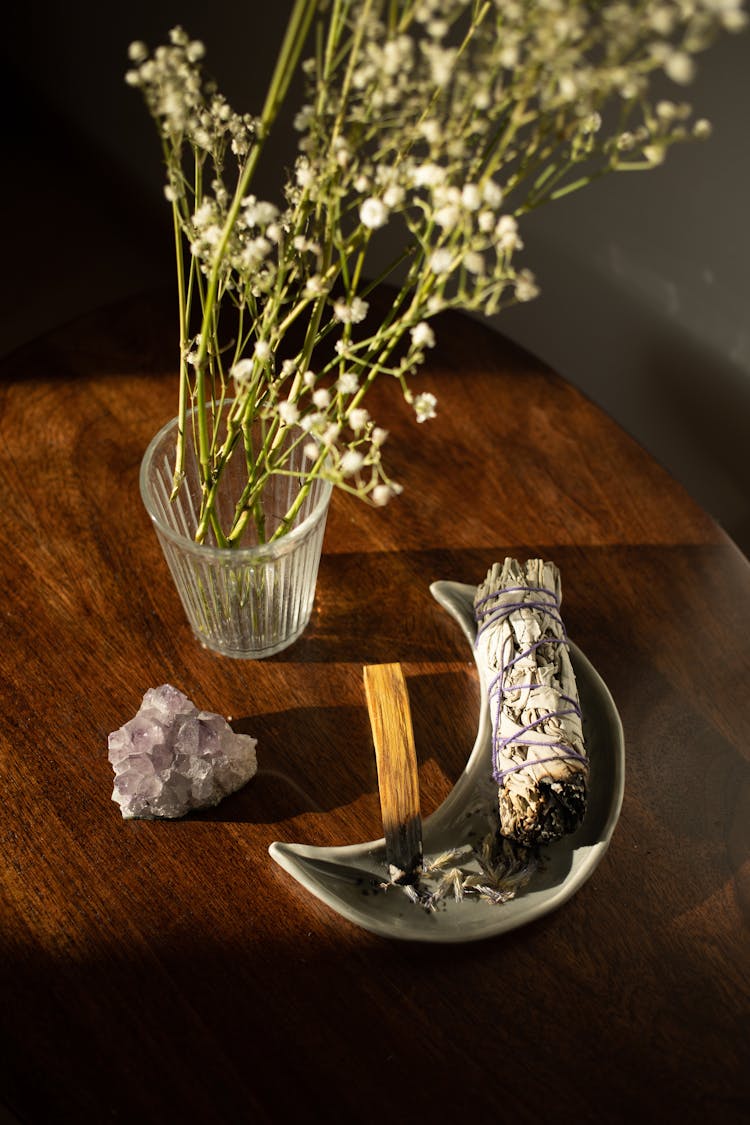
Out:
{"x": 347, "y": 878}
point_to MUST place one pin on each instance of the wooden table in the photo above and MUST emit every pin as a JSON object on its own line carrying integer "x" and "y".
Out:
{"x": 169, "y": 971}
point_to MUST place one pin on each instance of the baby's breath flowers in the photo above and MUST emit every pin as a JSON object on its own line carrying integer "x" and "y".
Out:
{"x": 429, "y": 126}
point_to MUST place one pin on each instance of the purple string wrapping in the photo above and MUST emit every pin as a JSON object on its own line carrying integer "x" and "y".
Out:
{"x": 497, "y": 686}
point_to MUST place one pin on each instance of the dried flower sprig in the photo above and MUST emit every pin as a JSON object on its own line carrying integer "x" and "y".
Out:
{"x": 493, "y": 871}
{"x": 431, "y": 126}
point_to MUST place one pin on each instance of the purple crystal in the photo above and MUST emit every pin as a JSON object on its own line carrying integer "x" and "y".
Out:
{"x": 171, "y": 757}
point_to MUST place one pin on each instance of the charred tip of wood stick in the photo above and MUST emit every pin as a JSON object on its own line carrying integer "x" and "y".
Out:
{"x": 404, "y": 850}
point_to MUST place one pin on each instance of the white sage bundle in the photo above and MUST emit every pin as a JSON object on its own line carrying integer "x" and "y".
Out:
{"x": 538, "y": 757}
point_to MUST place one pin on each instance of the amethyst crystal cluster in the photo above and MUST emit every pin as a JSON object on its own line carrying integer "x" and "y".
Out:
{"x": 171, "y": 757}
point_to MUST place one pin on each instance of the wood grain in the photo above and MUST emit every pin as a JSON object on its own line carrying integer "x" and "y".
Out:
{"x": 396, "y": 757}
{"x": 158, "y": 972}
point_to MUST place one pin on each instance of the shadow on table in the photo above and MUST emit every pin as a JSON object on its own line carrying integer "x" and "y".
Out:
{"x": 321, "y": 759}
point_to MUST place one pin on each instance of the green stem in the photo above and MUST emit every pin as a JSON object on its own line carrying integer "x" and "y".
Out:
{"x": 184, "y": 392}
{"x": 291, "y": 48}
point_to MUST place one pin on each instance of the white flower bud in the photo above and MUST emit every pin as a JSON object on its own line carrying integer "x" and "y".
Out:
{"x": 242, "y": 371}
{"x": 137, "y": 51}
{"x": 493, "y": 194}
{"x": 679, "y": 67}
{"x": 422, "y": 335}
{"x": 288, "y": 412}
{"x": 393, "y": 195}
{"x": 446, "y": 217}
{"x": 348, "y": 383}
{"x": 424, "y": 406}
{"x": 373, "y": 213}
{"x": 358, "y": 418}
{"x": 526, "y": 288}
{"x": 440, "y": 261}
{"x": 471, "y": 197}
{"x": 351, "y": 462}
{"x": 381, "y": 494}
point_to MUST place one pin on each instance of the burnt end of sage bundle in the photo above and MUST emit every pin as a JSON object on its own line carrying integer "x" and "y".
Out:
{"x": 558, "y": 810}
{"x": 539, "y": 759}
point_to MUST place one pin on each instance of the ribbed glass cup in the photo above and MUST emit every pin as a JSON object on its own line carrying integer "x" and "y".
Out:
{"x": 252, "y": 600}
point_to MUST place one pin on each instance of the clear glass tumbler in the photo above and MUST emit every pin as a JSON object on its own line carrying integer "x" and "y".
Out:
{"x": 252, "y": 600}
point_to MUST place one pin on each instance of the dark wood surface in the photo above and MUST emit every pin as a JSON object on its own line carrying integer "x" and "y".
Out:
{"x": 167, "y": 972}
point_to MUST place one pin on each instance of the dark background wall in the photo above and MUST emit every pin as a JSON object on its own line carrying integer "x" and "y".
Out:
{"x": 645, "y": 277}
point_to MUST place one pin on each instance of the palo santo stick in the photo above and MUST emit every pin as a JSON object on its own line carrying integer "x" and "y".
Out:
{"x": 390, "y": 719}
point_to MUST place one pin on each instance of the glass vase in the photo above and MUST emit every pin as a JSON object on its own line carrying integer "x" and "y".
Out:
{"x": 254, "y": 599}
